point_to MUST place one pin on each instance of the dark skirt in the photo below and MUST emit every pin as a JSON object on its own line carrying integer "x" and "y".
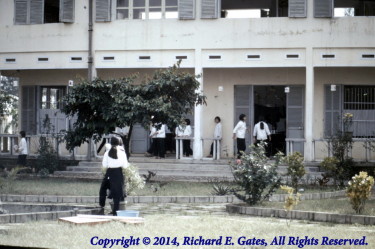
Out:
{"x": 116, "y": 182}
{"x": 21, "y": 160}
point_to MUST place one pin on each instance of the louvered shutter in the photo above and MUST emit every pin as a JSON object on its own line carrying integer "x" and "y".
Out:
{"x": 297, "y": 8}
{"x": 36, "y": 11}
{"x": 243, "y": 103}
{"x": 67, "y": 11}
{"x": 20, "y": 11}
{"x": 28, "y": 110}
{"x": 332, "y": 110}
{"x": 323, "y": 8}
{"x": 103, "y": 10}
{"x": 186, "y": 9}
{"x": 210, "y": 9}
{"x": 295, "y": 116}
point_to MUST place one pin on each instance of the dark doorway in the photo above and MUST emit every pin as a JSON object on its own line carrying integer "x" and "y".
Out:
{"x": 270, "y": 103}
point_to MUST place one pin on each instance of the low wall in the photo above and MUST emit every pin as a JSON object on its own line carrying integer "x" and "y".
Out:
{"x": 301, "y": 215}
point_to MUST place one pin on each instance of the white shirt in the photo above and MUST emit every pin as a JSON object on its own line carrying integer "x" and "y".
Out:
{"x": 240, "y": 129}
{"x": 121, "y": 161}
{"x": 22, "y": 146}
{"x": 217, "y": 131}
{"x": 161, "y": 132}
{"x": 180, "y": 130}
{"x": 259, "y": 133}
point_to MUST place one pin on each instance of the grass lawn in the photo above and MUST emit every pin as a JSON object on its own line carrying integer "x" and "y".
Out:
{"x": 237, "y": 228}
{"x": 50, "y": 186}
{"x": 73, "y": 187}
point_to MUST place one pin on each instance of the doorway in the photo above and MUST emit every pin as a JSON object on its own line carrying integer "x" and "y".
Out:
{"x": 270, "y": 103}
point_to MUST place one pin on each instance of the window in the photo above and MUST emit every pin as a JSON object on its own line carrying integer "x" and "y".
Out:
{"x": 146, "y": 9}
{"x": 51, "y": 97}
{"x": 254, "y": 9}
{"x": 360, "y": 101}
{"x": 43, "y": 11}
{"x": 348, "y": 8}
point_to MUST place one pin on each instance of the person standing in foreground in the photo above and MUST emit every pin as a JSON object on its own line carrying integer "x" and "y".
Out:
{"x": 217, "y": 134}
{"x": 239, "y": 133}
{"x": 22, "y": 149}
{"x": 114, "y": 160}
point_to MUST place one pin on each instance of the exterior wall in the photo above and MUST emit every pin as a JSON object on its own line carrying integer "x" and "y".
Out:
{"x": 232, "y": 39}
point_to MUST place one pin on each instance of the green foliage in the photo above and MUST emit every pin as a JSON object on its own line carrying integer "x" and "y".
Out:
{"x": 101, "y": 105}
{"x": 296, "y": 167}
{"x": 7, "y": 183}
{"x": 359, "y": 190}
{"x": 9, "y": 101}
{"x": 132, "y": 179}
{"x": 342, "y": 143}
{"x": 221, "y": 188}
{"x": 256, "y": 178}
{"x": 47, "y": 156}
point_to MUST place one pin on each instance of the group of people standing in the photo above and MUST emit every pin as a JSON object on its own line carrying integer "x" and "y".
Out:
{"x": 261, "y": 133}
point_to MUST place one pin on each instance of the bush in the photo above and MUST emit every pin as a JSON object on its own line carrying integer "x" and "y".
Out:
{"x": 257, "y": 179}
{"x": 359, "y": 190}
{"x": 47, "y": 156}
{"x": 292, "y": 199}
{"x": 132, "y": 179}
{"x": 296, "y": 168}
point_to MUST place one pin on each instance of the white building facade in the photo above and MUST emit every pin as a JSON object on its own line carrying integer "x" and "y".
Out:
{"x": 300, "y": 64}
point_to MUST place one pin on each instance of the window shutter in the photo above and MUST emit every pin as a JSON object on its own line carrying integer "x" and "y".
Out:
{"x": 243, "y": 103}
{"x": 323, "y": 8}
{"x": 186, "y": 9}
{"x": 332, "y": 110}
{"x": 67, "y": 11}
{"x": 297, "y": 8}
{"x": 36, "y": 11}
{"x": 28, "y": 111}
{"x": 210, "y": 9}
{"x": 20, "y": 11}
{"x": 295, "y": 116}
{"x": 103, "y": 10}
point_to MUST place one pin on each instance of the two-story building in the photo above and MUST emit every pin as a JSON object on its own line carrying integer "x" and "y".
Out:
{"x": 300, "y": 64}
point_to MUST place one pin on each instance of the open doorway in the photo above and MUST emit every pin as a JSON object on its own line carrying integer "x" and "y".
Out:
{"x": 270, "y": 103}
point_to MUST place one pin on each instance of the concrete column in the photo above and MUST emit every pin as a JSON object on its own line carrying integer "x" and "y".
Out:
{"x": 309, "y": 105}
{"x": 197, "y": 152}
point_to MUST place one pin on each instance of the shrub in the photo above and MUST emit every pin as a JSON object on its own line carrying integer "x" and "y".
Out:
{"x": 292, "y": 199}
{"x": 359, "y": 190}
{"x": 257, "y": 179}
{"x": 132, "y": 179}
{"x": 47, "y": 156}
{"x": 296, "y": 168}
{"x": 221, "y": 188}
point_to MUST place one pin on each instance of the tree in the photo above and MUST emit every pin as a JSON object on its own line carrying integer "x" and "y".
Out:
{"x": 9, "y": 101}
{"x": 101, "y": 105}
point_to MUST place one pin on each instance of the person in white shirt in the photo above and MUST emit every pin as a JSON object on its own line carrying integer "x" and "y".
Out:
{"x": 123, "y": 133}
{"x": 239, "y": 133}
{"x": 158, "y": 132}
{"x": 114, "y": 160}
{"x": 22, "y": 149}
{"x": 262, "y": 133}
{"x": 217, "y": 133}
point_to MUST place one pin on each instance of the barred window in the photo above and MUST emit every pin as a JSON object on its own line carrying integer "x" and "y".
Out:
{"x": 359, "y": 97}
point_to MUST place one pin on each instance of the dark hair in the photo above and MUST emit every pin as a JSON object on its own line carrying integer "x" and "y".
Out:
{"x": 115, "y": 141}
{"x": 187, "y": 121}
{"x": 218, "y": 118}
{"x": 23, "y": 133}
{"x": 261, "y": 120}
{"x": 242, "y": 116}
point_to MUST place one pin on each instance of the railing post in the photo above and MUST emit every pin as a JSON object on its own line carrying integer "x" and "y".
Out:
{"x": 177, "y": 149}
